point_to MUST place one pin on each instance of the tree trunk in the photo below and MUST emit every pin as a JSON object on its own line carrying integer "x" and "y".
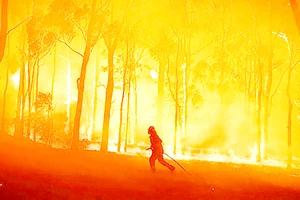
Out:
{"x": 135, "y": 102}
{"x": 296, "y": 12}
{"x": 111, "y": 44}
{"x": 160, "y": 94}
{"x": 258, "y": 113}
{"x": 36, "y": 96}
{"x": 185, "y": 91}
{"x": 108, "y": 101}
{"x": 289, "y": 117}
{"x": 121, "y": 119}
{"x": 176, "y": 119}
{"x": 176, "y": 111}
{"x": 80, "y": 87}
{"x": 23, "y": 98}
{"x": 19, "y": 100}
{"x": 266, "y": 111}
{"x": 289, "y": 131}
{"x": 176, "y": 98}
{"x": 3, "y": 124}
{"x": 249, "y": 88}
{"x": 52, "y": 90}
{"x": 188, "y": 59}
{"x": 95, "y": 101}
{"x": 128, "y": 110}
{"x": 3, "y": 30}
{"x": 81, "y": 79}
{"x": 69, "y": 107}
{"x": 49, "y": 124}
{"x": 30, "y": 76}
{"x": 268, "y": 87}
{"x": 54, "y": 72}
{"x": 121, "y": 108}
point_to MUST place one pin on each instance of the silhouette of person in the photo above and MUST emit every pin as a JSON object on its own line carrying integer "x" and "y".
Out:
{"x": 157, "y": 150}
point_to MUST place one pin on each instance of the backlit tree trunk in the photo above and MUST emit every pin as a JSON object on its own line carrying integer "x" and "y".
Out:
{"x": 108, "y": 101}
{"x": 95, "y": 101}
{"x": 36, "y": 95}
{"x": 125, "y": 69}
{"x": 160, "y": 94}
{"x": 176, "y": 113}
{"x": 3, "y": 30}
{"x": 290, "y": 109}
{"x": 296, "y": 12}
{"x": 258, "y": 112}
{"x": 128, "y": 116}
{"x": 121, "y": 108}
{"x": 19, "y": 102}
{"x": 177, "y": 107}
{"x": 51, "y": 122}
{"x": 2, "y": 125}
{"x": 30, "y": 80}
{"x": 111, "y": 44}
{"x": 135, "y": 101}
{"x": 81, "y": 80}
{"x": 186, "y": 72}
{"x": 289, "y": 119}
{"x": 268, "y": 86}
{"x": 20, "y": 129}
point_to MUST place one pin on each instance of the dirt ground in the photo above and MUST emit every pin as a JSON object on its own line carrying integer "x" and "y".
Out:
{"x": 33, "y": 171}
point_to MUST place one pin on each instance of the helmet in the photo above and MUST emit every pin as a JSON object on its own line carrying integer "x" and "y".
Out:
{"x": 151, "y": 129}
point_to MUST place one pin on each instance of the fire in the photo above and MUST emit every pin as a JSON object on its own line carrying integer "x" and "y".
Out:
{"x": 213, "y": 156}
{"x": 153, "y": 74}
{"x": 16, "y": 78}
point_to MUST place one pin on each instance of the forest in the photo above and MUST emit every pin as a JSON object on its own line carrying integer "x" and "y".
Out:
{"x": 219, "y": 79}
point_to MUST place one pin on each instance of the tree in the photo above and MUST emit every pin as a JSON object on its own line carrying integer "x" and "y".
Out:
{"x": 3, "y": 30}
{"x": 158, "y": 27}
{"x": 296, "y": 12}
{"x": 96, "y": 86}
{"x": 43, "y": 117}
{"x": 67, "y": 16}
{"x": 90, "y": 43}
{"x": 2, "y": 122}
{"x": 111, "y": 41}
{"x": 292, "y": 64}
{"x": 111, "y": 38}
{"x": 174, "y": 84}
{"x": 40, "y": 42}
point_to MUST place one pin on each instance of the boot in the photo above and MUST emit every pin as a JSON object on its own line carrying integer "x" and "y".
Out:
{"x": 153, "y": 169}
{"x": 172, "y": 168}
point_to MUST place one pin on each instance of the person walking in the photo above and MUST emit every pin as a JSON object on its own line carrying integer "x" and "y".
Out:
{"x": 157, "y": 151}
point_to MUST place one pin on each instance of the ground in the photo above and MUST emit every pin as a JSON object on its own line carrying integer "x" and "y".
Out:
{"x": 32, "y": 171}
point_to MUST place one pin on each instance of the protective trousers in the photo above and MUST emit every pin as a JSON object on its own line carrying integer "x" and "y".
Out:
{"x": 158, "y": 155}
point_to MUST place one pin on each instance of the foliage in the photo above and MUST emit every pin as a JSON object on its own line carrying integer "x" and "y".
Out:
{"x": 40, "y": 39}
{"x": 42, "y": 117}
{"x": 67, "y": 18}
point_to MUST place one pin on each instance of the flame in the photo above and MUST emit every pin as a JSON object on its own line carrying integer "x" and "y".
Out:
{"x": 153, "y": 74}
{"x": 213, "y": 156}
{"x": 16, "y": 78}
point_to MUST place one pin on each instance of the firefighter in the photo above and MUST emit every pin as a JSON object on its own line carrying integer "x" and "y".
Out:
{"x": 157, "y": 151}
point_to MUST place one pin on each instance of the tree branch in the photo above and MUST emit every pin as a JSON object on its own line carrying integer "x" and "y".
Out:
{"x": 276, "y": 88}
{"x": 16, "y": 26}
{"x": 102, "y": 6}
{"x": 206, "y": 45}
{"x": 81, "y": 30}
{"x": 100, "y": 84}
{"x": 77, "y": 52}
